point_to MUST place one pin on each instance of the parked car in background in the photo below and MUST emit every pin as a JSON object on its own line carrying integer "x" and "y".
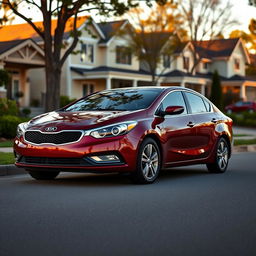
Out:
{"x": 130, "y": 130}
{"x": 241, "y": 106}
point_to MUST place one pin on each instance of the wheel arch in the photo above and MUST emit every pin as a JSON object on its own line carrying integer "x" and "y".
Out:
{"x": 158, "y": 142}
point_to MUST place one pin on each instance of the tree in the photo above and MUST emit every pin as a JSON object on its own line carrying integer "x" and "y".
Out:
{"x": 205, "y": 20}
{"x": 56, "y": 49}
{"x": 155, "y": 36}
{"x": 216, "y": 92}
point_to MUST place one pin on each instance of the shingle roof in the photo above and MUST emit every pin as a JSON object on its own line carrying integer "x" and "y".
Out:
{"x": 81, "y": 71}
{"x": 5, "y": 46}
{"x": 24, "y": 30}
{"x": 216, "y": 48}
{"x": 110, "y": 28}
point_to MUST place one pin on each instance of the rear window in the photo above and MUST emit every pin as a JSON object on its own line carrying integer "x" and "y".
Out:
{"x": 196, "y": 103}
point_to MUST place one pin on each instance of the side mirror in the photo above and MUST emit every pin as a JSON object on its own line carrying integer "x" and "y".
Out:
{"x": 174, "y": 110}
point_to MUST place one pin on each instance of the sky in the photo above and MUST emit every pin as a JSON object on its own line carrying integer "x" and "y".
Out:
{"x": 241, "y": 11}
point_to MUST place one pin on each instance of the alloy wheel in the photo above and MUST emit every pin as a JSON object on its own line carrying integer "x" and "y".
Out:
{"x": 150, "y": 161}
{"x": 222, "y": 155}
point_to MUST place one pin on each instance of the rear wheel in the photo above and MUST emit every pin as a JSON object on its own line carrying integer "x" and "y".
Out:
{"x": 221, "y": 157}
{"x": 43, "y": 175}
{"x": 148, "y": 163}
{"x": 229, "y": 111}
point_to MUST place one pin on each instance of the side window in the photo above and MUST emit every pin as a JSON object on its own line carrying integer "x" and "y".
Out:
{"x": 196, "y": 103}
{"x": 207, "y": 105}
{"x": 174, "y": 99}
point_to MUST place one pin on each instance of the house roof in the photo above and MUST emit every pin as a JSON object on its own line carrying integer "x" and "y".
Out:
{"x": 5, "y": 46}
{"x": 216, "y": 48}
{"x": 110, "y": 28}
{"x": 24, "y": 30}
{"x": 81, "y": 71}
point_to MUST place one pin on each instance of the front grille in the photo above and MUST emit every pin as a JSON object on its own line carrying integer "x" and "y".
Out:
{"x": 54, "y": 161}
{"x": 62, "y": 137}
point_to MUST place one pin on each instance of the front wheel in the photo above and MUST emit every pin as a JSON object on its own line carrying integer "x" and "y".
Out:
{"x": 148, "y": 163}
{"x": 43, "y": 175}
{"x": 221, "y": 157}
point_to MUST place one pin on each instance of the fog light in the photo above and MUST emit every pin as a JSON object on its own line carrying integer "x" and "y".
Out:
{"x": 106, "y": 158}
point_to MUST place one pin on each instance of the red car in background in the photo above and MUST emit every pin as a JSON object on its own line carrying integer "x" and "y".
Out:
{"x": 130, "y": 130}
{"x": 241, "y": 106}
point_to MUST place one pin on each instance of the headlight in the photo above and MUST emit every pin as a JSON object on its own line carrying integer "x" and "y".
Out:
{"x": 21, "y": 129}
{"x": 113, "y": 130}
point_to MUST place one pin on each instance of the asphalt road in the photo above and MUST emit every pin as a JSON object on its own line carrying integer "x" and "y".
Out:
{"x": 186, "y": 212}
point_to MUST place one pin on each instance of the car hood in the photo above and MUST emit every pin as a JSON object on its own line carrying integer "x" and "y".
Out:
{"x": 78, "y": 120}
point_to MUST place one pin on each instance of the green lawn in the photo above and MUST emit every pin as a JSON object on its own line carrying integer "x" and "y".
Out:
{"x": 241, "y": 135}
{"x": 6, "y": 144}
{"x": 6, "y": 158}
{"x": 238, "y": 142}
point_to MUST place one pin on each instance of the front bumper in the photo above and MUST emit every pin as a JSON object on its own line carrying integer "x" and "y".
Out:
{"x": 77, "y": 156}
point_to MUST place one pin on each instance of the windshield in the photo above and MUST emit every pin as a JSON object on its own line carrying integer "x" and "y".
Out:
{"x": 119, "y": 100}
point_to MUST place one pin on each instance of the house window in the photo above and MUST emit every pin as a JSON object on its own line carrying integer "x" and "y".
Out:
{"x": 87, "y": 53}
{"x": 123, "y": 55}
{"x": 87, "y": 89}
{"x": 237, "y": 63}
{"x": 205, "y": 65}
{"x": 166, "y": 61}
{"x": 186, "y": 63}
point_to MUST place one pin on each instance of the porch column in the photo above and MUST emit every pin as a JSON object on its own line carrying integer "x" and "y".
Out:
{"x": 134, "y": 83}
{"x": 1, "y": 64}
{"x": 182, "y": 84}
{"x": 203, "y": 89}
{"x": 242, "y": 92}
{"x": 108, "y": 83}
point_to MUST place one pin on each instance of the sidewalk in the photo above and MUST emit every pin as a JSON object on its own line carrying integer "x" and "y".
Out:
{"x": 244, "y": 130}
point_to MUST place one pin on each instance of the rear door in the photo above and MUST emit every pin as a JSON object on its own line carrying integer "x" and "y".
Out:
{"x": 205, "y": 121}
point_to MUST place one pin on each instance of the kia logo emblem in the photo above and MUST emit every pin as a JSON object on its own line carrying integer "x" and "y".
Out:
{"x": 50, "y": 129}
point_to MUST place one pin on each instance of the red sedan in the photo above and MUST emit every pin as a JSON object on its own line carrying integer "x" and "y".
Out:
{"x": 132, "y": 130}
{"x": 241, "y": 106}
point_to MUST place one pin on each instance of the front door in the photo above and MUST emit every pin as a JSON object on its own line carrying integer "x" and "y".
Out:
{"x": 177, "y": 131}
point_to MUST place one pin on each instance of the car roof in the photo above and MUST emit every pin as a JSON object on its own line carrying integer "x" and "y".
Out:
{"x": 160, "y": 88}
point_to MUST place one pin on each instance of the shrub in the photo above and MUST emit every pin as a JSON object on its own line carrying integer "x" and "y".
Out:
{"x": 26, "y": 112}
{"x": 8, "y": 125}
{"x": 65, "y": 100}
{"x": 8, "y": 107}
{"x": 244, "y": 119}
{"x": 35, "y": 103}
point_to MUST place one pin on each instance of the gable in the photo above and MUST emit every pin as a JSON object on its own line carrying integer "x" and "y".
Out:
{"x": 22, "y": 52}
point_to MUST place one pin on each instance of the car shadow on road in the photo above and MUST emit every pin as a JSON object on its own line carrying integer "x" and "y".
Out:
{"x": 114, "y": 179}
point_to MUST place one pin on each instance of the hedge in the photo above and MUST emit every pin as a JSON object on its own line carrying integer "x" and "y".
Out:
{"x": 8, "y": 125}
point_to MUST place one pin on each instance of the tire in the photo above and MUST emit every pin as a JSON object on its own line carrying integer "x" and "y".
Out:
{"x": 222, "y": 154}
{"x": 229, "y": 111}
{"x": 148, "y": 163}
{"x": 43, "y": 175}
{"x": 251, "y": 111}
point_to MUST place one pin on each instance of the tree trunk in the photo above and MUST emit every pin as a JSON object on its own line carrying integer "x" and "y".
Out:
{"x": 52, "y": 101}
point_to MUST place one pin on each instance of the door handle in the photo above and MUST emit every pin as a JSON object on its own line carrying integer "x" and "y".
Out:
{"x": 190, "y": 124}
{"x": 214, "y": 120}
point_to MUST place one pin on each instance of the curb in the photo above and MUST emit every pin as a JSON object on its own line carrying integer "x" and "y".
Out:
{"x": 244, "y": 148}
{"x": 10, "y": 169}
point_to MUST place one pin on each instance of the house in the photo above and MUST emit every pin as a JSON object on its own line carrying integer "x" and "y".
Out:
{"x": 105, "y": 61}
